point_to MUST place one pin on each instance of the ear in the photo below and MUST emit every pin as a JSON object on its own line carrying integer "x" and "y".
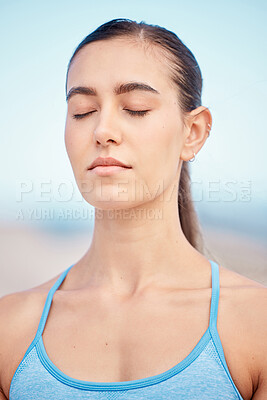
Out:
{"x": 197, "y": 128}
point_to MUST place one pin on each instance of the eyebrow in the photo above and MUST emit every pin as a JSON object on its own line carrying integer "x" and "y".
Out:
{"x": 120, "y": 89}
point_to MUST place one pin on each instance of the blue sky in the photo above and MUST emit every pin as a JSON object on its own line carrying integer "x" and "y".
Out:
{"x": 229, "y": 42}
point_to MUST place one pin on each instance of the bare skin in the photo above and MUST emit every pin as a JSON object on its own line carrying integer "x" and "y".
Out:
{"x": 123, "y": 344}
{"x": 140, "y": 275}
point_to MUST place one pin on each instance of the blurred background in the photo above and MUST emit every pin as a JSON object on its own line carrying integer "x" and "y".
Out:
{"x": 45, "y": 225}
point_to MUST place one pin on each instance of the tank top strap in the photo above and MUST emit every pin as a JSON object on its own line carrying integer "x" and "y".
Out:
{"x": 215, "y": 282}
{"x": 48, "y": 302}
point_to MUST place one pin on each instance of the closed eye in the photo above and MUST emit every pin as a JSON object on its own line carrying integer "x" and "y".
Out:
{"x": 137, "y": 113}
{"x": 131, "y": 112}
{"x": 80, "y": 116}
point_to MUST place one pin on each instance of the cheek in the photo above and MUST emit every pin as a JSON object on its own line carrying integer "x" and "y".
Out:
{"x": 68, "y": 140}
{"x": 159, "y": 149}
{"x": 75, "y": 142}
{"x": 70, "y": 144}
{"x": 156, "y": 154}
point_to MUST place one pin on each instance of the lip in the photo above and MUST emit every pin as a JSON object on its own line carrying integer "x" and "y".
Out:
{"x": 107, "y": 162}
{"x": 107, "y": 170}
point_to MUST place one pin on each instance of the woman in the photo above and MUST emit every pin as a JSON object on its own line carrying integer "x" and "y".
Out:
{"x": 138, "y": 316}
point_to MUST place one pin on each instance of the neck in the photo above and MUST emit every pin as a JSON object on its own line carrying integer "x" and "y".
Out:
{"x": 136, "y": 248}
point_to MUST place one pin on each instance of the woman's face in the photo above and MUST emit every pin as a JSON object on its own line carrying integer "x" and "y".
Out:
{"x": 150, "y": 144}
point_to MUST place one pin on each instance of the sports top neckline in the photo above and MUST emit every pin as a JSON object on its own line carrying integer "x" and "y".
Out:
{"x": 125, "y": 385}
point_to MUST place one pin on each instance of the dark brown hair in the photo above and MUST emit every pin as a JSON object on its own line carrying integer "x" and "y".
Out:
{"x": 185, "y": 74}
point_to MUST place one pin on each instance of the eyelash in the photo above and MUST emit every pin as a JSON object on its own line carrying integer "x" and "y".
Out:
{"x": 131, "y": 112}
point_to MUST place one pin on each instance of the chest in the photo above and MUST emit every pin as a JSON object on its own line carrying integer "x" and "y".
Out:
{"x": 115, "y": 343}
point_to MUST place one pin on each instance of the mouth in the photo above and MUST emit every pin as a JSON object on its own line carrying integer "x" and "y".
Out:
{"x": 107, "y": 170}
{"x": 107, "y": 161}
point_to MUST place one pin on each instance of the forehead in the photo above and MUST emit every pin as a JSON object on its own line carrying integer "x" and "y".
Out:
{"x": 104, "y": 63}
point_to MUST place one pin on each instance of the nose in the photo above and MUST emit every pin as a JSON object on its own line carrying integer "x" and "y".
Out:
{"x": 107, "y": 128}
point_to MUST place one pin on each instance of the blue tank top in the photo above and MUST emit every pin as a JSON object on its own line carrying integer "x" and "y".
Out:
{"x": 203, "y": 374}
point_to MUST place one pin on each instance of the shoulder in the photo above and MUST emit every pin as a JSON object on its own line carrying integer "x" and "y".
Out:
{"x": 20, "y": 314}
{"x": 18, "y": 309}
{"x": 246, "y": 299}
{"x": 243, "y": 303}
{"x": 243, "y": 293}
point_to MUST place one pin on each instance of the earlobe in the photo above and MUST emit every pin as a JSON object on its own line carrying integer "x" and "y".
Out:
{"x": 193, "y": 159}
